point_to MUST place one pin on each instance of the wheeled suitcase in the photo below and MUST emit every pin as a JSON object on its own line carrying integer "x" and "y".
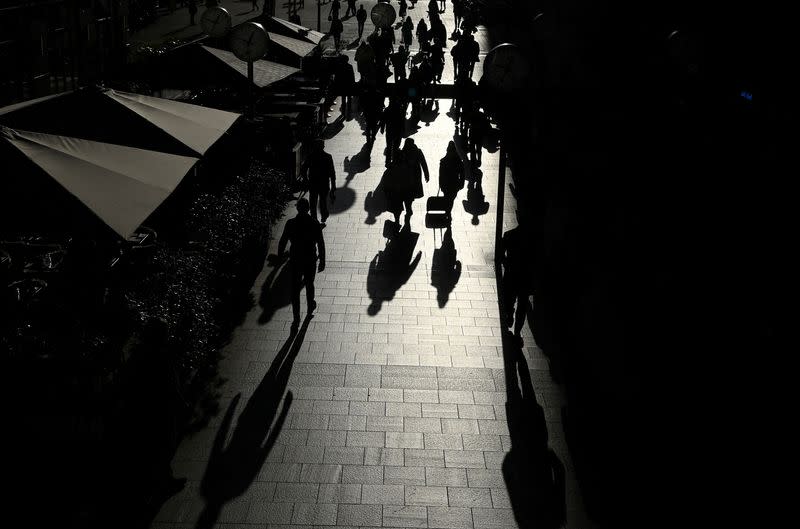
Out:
{"x": 437, "y": 215}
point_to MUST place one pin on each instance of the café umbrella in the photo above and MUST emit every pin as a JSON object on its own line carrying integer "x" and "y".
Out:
{"x": 120, "y": 185}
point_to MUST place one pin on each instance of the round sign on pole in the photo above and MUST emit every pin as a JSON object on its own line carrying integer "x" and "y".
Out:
{"x": 216, "y": 21}
{"x": 383, "y": 15}
{"x": 249, "y": 41}
{"x": 506, "y": 69}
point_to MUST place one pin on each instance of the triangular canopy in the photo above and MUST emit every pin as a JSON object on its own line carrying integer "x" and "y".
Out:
{"x": 265, "y": 72}
{"x": 121, "y": 185}
{"x": 301, "y": 31}
{"x": 195, "y": 126}
{"x": 298, "y": 47}
{"x": 122, "y": 118}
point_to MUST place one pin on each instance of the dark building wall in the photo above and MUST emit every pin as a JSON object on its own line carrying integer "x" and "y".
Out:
{"x": 48, "y": 46}
{"x": 655, "y": 171}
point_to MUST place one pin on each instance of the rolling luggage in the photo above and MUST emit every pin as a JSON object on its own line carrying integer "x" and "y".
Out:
{"x": 437, "y": 215}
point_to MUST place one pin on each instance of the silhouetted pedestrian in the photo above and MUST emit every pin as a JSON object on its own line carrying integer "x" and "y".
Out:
{"x": 304, "y": 234}
{"x": 365, "y": 62}
{"x": 437, "y": 63}
{"x": 336, "y": 30}
{"x": 321, "y": 176}
{"x": 333, "y": 14}
{"x": 472, "y": 53}
{"x": 351, "y": 8}
{"x": 399, "y": 59}
{"x": 344, "y": 82}
{"x": 478, "y": 129}
{"x": 433, "y": 7}
{"x": 192, "y": 12}
{"x": 516, "y": 276}
{"x": 413, "y": 162}
{"x": 361, "y": 17}
{"x": 451, "y": 175}
{"x": 437, "y": 31}
{"x": 458, "y": 11}
{"x": 422, "y": 33}
{"x": 372, "y": 106}
{"x": 403, "y": 9}
{"x": 408, "y": 32}
{"x": 392, "y": 122}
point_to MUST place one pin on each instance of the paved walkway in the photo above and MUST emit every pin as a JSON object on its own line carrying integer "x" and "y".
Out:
{"x": 389, "y": 408}
{"x": 393, "y": 406}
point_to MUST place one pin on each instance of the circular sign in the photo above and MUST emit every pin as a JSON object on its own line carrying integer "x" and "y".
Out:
{"x": 216, "y": 21}
{"x": 249, "y": 41}
{"x": 383, "y": 15}
{"x": 505, "y": 68}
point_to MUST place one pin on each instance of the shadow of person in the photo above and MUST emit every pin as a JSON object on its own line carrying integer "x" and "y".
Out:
{"x": 430, "y": 111}
{"x": 276, "y": 292}
{"x": 375, "y": 202}
{"x": 445, "y": 268}
{"x": 475, "y": 204}
{"x": 232, "y": 468}
{"x": 359, "y": 162}
{"x": 391, "y": 268}
{"x": 534, "y": 476}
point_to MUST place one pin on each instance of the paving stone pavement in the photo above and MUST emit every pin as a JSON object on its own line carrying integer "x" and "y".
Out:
{"x": 388, "y": 409}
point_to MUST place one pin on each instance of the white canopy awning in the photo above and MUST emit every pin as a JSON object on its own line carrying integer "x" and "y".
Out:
{"x": 195, "y": 126}
{"x": 300, "y": 48}
{"x": 301, "y": 31}
{"x": 121, "y": 185}
{"x": 265, "y": 72}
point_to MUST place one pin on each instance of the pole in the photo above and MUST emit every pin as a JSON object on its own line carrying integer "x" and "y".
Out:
{"x": 501, "y": 195}
{"x": 250, "y": 103}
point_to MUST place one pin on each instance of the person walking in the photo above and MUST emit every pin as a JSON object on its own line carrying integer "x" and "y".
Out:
{"x": 472, "y": 53}
{"x": 433, "y": 7}
{"x": 403, "y": 9}
{"x": 351, "y": 8}
{"x": 458, "y": 12}
{"x": 304, "y": 234}
{"x": 413, "y": 161}
{"x": 422, "y": 34}
{"x": 407, "y": 32}
{"x": 478, "y": 129}
{"x": 336, "y": 30}
{"x": 365, "y": 62}
{"x": 192, "y": 12}
{"x": 451, "y": 176}
{"x": 361, "y": 17}
{"x": 392, "y": 122}
{"x": 437, "y": 63}
{"x": 319, "y": 172}
{"x": 333, "y": 14}
{"x": 344, "y": 82}
{"x": 517, "y": 263}
{"x": 399, "y": 59}
{"x": 372, "y": 107}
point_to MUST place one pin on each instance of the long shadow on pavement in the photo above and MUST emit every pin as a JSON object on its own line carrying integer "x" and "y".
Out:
{"x": 391, "y": 268}
{"x": 445, "y": 268}
{"x": 232, "y": 468}
{"x": 535, "y": 477}
{"x": 276, "y": 292}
